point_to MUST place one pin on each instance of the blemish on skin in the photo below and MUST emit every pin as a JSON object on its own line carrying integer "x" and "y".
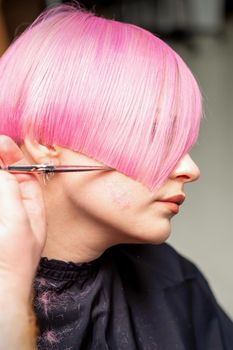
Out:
{"x": 120, "y": 193}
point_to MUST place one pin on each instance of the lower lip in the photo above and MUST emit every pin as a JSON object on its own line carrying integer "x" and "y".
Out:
{"x": 174, "y": 207}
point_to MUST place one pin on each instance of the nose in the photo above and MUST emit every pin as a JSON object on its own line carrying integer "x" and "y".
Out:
{"x": 186, "y": 170}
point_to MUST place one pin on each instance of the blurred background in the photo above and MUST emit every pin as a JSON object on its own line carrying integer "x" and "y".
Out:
{"x": 201, "y": 31}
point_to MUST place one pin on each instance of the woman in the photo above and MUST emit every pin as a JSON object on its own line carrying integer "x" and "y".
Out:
{"x": 81, "y": 90}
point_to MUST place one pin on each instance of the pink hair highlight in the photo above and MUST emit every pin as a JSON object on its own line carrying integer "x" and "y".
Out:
{"x": 107, "y": 89}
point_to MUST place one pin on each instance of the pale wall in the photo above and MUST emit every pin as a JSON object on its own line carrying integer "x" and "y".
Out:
{"x": 204, "y": 229}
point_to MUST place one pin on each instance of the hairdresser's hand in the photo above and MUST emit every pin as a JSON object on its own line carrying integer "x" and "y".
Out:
{"x": 22, "y": 223}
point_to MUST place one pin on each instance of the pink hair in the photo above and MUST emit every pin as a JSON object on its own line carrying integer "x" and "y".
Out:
{"x": 107, "y": 89}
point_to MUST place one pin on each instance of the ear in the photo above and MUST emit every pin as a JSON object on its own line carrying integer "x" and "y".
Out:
{"x": 40, "y": 153}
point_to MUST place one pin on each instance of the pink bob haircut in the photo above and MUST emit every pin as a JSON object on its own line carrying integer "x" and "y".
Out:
{"x": 106, "y": 89}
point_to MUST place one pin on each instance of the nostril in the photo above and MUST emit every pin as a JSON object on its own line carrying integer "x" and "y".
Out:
{"x": 183, "y": 177}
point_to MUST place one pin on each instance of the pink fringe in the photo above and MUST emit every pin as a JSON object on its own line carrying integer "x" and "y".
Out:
{"x": 110, "y": 90}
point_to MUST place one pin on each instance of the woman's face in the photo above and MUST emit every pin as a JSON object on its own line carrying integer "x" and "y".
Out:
{"x": 122, "y": 209}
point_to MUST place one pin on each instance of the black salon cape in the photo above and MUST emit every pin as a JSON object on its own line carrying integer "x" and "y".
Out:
{"x": 143, "y": 297}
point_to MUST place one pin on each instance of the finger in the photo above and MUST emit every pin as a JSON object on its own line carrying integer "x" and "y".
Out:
{"x": 34, "y": 205}
{"x": 29, "y": 188}
{"x": 12, "y": 210}
{"x": 30, "y": 191}
{"x": 9, "y": 151}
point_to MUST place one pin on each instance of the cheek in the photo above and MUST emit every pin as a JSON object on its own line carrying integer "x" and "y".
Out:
{"x": 120, "y": 194}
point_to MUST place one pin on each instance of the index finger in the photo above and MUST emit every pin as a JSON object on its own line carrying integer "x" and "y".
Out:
{"x": 10, "y": 152}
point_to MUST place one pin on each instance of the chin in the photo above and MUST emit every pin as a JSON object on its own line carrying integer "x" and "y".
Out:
{"x": 159, "y": 233}
{"x": 149, "y": 233}
{"x": 154, "y": 236}
{"x": 159, "y": 239}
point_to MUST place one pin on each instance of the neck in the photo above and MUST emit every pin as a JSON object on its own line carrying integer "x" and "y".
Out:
{"x": 75, "y": 243}
{"x": 68, "y": 250}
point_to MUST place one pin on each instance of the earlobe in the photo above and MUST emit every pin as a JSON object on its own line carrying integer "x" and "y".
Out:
{"x": 40, "y": 153}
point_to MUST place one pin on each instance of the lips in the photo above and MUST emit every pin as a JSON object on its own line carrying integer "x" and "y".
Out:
{"x": 177, "y": 199}
{"x": 173, "y": 203}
